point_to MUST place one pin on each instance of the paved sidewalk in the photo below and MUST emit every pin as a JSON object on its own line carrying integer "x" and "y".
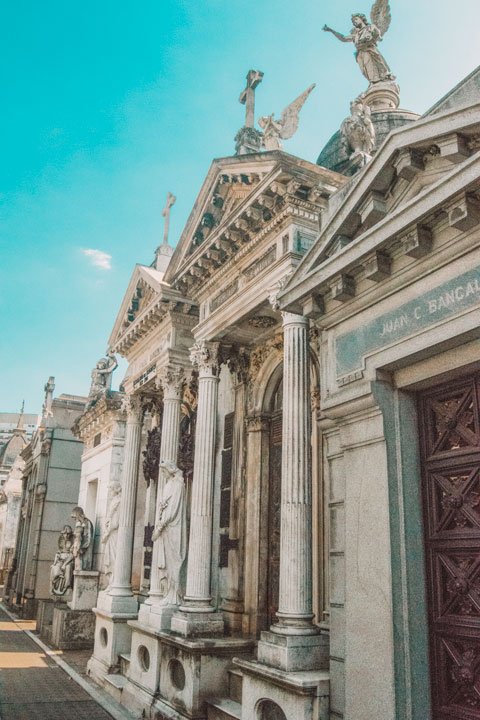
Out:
{"x": 33, "y": 686}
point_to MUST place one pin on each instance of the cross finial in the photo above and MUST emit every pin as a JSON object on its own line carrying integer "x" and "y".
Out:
{"x": 171, "y": 200}
{"x": 247, "y": 98}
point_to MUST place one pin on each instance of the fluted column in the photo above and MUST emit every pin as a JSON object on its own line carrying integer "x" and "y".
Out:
{"x": 171, "y": 380}
{"x": 204, "y": 357}
{"x": 295, "y": 597}
{"x": 121, "y": 583}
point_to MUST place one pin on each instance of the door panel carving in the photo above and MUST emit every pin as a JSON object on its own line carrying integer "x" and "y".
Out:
{"x": 450, "y": 442}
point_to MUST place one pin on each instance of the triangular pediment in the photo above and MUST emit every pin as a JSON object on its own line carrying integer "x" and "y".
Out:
{"x": 144, "y": 289}
{"x": 410, "y": 170}
{"x": 239, "y": 200}
{"x": 229, "y": 183}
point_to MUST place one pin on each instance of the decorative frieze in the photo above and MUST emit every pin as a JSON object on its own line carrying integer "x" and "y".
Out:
{"x": 222, "y": 297}
{"x": 261, "y": 264}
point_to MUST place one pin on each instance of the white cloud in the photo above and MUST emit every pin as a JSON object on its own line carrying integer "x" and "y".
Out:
{"x": 99, "y": 259}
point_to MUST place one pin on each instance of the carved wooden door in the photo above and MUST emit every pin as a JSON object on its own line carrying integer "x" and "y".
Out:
{"x": 450, "y": 433}
{"x": 275, "y": 488}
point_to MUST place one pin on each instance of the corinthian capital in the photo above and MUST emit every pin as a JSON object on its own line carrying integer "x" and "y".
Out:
{"x": 205, "y": 357}
{"x": 133, "y": 406}
{"x": 171, "y": 379}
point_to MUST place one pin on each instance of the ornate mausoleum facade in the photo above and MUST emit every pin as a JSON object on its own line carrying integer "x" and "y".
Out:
{"x": 297, "y": 536}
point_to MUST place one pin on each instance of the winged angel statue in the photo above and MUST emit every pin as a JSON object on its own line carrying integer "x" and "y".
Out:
{"x": 366, "y": 36}
{"x": 276, "y": 130}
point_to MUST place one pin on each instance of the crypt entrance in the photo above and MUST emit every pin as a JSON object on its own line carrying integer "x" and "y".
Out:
{"x": 450, "y": 453}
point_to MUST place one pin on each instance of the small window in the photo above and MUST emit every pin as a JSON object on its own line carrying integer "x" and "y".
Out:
{"x": 97, "y": 439}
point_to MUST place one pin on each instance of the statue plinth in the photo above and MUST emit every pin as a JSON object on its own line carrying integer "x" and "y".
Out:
{"x": 248, "y": 140}
{"x": 85, "y": 586}
{"x": 382, "y": 96}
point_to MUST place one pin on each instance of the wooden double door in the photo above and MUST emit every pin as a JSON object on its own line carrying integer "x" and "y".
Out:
{"x": 450, "y": 445}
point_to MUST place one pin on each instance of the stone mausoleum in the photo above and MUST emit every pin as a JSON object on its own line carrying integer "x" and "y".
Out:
{"x": 297, "y": 536}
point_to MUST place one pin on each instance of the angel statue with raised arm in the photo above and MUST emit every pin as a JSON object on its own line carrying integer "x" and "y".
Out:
{"x": 276, "y": 130}
{"x": 366, "y": 36}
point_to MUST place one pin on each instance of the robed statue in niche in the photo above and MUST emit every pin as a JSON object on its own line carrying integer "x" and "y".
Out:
{"x": 82, "y": 540}
{"x": 61, "y": 572}
{"x": 366, "y": 36}
{"x": 170, "y": 531}
{"x": 109, "y": 539}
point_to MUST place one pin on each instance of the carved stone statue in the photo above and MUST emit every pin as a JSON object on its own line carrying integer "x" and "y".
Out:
{"x": 366, "y": 36}
{"x": 109, "y": 538}
{"x": 286, "y": 127}
{"x": 358, "y": 131}
{"x": 83, "y": 540}
{"x": 171, "y": 530}
{"x": 61, "y": 572}
{"x": 102, "y": 375}
{"x": 47, "y": 404}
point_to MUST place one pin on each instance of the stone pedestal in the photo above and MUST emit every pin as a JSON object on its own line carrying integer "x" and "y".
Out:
{"x": 85, "y": 587}
{"x": 72, "y": 629}
{"x": 112, "y": 639}
{"x": 269, "y": 692}
{"x": 382, "y": 96}
{"x": 294, "y": 653}
{"x": 188, "y": 672}
{"x": 45, "y": 619}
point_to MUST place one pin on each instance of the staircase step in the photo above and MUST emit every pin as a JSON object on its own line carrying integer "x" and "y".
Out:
{"x": 114, "y": 685}
{"x": 124, "y": 663}
{"x": 235, "y": 682}
{"x": 223, "y": 709}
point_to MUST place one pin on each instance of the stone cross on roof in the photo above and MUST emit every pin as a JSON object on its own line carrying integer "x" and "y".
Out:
{"x": 171, "y": 200}
{"x": 247, "y": 98}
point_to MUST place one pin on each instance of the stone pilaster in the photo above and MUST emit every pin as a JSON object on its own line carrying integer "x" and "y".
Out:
{"x": 294, "y": 643}
{"x": 171, "y": 380}
{"x": 205, "y": 358}
{"x": 121, "y": 588}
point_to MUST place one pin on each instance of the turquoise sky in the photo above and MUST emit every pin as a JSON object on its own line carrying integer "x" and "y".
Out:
{"x": 107, "y": 106}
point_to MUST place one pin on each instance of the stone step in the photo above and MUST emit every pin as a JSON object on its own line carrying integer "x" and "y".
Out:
{"x": 223, "y": 709}
{"x": 114, "y": 685}
{"x": 124, "y": 663}
{"x": 235, "y": 682}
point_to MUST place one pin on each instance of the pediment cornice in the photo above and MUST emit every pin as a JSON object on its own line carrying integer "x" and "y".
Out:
{"x": 146, "y": 303}
{"x": 359, "y": 221}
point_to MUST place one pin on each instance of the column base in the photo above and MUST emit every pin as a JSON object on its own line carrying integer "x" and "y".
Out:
{"x": 197, "y": 624}
{"x": 112, "y": 639}
{"x": 280, "y": 694}
{"x": 192, "y": 671}
{"x": 158, "y": 617}
{"x": 117, "y": 604}
{"x": 294, "y": 653}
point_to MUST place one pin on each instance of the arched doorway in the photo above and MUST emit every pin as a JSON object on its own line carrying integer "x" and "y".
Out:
{"x": 274, "y": 499}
